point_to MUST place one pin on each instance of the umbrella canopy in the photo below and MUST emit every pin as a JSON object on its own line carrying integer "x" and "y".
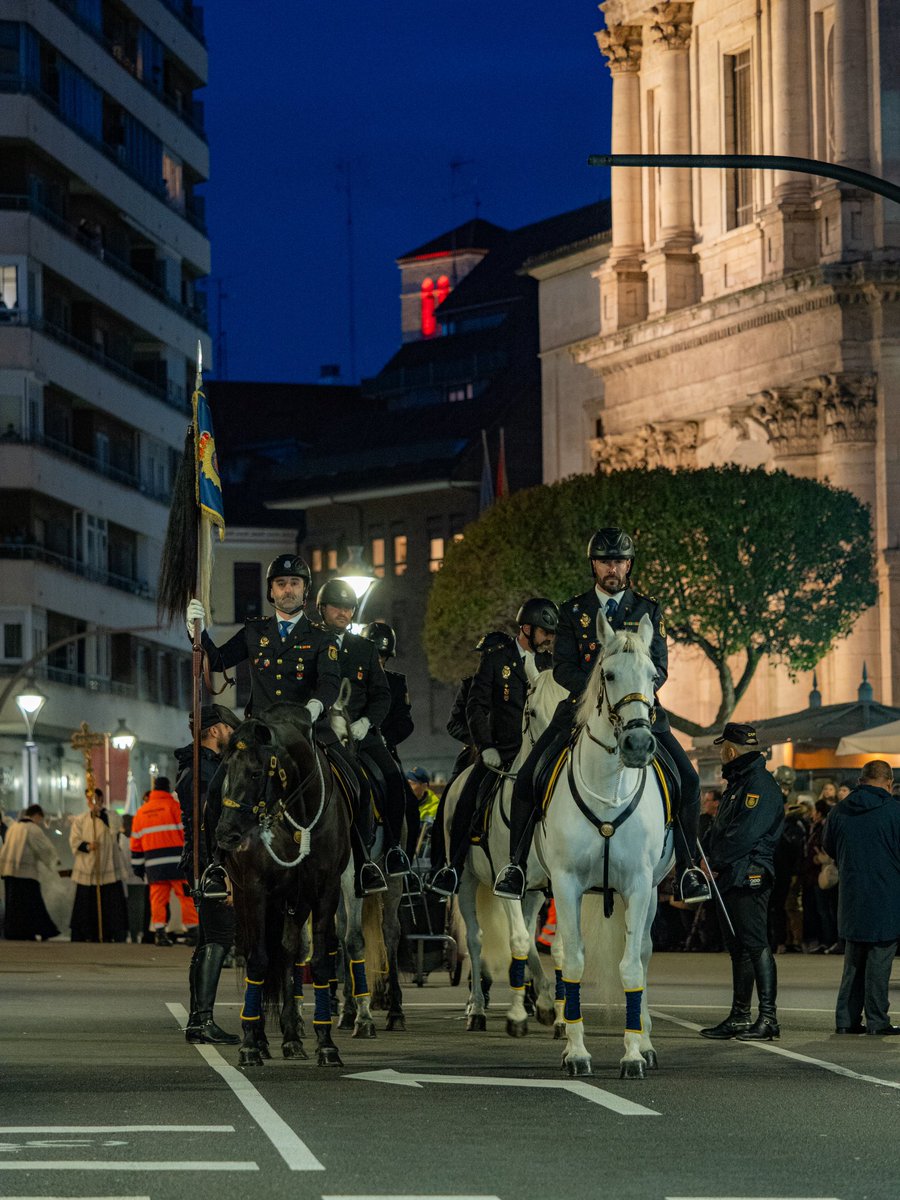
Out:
{"x": 880, "y": 739}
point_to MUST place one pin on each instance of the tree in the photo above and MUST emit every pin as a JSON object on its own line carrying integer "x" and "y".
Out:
{"x": 746, "y": 564}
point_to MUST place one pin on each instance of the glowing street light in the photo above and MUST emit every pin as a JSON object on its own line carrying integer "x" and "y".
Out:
{"x": 123, "y": 738}
{"x": 356, "y": 572}
{"x": 29, "y": 702}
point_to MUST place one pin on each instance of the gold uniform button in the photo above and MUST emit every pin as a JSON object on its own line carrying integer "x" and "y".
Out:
{"x": 278, "y": 691}
{"x": 277, "y": 676}
{"x": 279, "y": 661}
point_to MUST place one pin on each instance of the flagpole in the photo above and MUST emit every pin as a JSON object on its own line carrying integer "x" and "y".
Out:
{"x": 197, "y": 652}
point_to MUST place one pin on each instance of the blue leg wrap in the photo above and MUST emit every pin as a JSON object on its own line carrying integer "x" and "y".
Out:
{"x": 358, "y": 973}
{"x": 560, "y": 986}
{"x": 252, "y": 1009}
{"x": 517, "y": 974}
{"x": 572, "y": 1011}
{"x": 322, "y": 1014}
{"x": 633, "y": 1022}
{"x": 298, "y": 981}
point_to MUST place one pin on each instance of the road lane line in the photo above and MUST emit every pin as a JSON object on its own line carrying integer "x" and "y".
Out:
{"x": 116, "y": 1129}
{"x": 405, "y": 1196}
{"x": 89, "y": 1165}
{"x": 804, "y": 1058}
{"x": 751, "y": 1198}
{"x": 292, "y": 1149}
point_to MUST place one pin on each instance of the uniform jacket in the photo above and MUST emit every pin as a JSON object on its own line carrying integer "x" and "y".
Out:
{"x": 497, "y": 700}
{"x": 576, "y": 642}
{"x": 370, "y": 693}
{"x": 25, "y": 848}
{"x": 157, "y": 837}
{"x": 742, "y": 839}
{"x": 303, "y": 667}
{"x": 398, "y": 724}
{"x": 862, "y": 835}
{"x": 103, "y": 865}
{"x": 184, "y": 789}
{"x": 458, "y": 726}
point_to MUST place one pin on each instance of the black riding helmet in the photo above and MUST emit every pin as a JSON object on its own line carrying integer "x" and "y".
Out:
{"x": 539, "y": 611}
{"x": 611, "y": 543}
{"x": 287, "y": 564}
{"x": 338, "y": 593}
{"x": 382, "y": 636}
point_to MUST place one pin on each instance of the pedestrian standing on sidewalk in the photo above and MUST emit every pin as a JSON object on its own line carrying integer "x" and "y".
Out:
{"x": 157, "y": 846}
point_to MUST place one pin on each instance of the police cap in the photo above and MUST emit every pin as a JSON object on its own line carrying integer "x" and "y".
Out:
{"x": 738, "y": 735}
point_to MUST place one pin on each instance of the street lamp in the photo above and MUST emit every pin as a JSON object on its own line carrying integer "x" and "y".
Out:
{"x": 357, "y": 573}
{"x": 123, "y": 738}
{"x": 29, "y": 702}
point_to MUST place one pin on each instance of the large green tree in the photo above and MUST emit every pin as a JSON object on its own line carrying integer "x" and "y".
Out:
{"x": 746, "y": 564}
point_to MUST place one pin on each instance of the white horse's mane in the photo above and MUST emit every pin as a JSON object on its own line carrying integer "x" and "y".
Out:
{"x": 623, "y": 643}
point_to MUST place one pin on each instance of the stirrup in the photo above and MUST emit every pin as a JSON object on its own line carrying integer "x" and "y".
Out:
{"x": 697, "y": 887}
{"x": 507, "y": 885}
{"x": 444, "y": 881}
{"x": 396, "y": 863}
{"x": 212, "y": 883}
{"x": 371, "y": 880}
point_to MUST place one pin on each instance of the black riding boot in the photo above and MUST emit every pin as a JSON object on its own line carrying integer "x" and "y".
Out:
{"x": 206, "y": 967}
{"x": 765, "y": 1027}
{"x": 369, "y": 878}
{"x": 445, "y": 881}
{"x": 691, "y": 886}
{"x": 738, "y": 1020}
{"x": 510, "y": 883}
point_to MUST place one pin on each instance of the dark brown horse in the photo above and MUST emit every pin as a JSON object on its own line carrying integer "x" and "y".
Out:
{"x": 285, "y": 831}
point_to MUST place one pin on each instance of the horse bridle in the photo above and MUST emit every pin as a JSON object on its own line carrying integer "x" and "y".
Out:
{"x": 615, "y": 719}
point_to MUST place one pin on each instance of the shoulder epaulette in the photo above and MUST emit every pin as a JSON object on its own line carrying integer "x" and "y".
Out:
{"x": 255, "y": 620}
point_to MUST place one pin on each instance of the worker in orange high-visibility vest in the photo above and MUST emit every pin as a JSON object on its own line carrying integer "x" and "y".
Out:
{"x": 548, "y": 930}
{"x": 157, "y": 844}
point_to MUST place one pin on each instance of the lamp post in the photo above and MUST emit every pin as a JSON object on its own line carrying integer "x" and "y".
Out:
{"x": 29, "y": 702}
{"x": 357, "y": 573}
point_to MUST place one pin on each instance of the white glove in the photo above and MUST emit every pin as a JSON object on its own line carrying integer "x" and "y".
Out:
{"x": 491, "y": 758}
{"x": 360, "y": 728}
{"x": 315, "y": 708}
{"x": 195, "y": 612}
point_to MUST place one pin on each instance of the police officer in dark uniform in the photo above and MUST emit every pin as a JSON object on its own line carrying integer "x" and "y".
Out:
{"x": 368, "y": 706}
{"x": 741, "y": 851}
{"x": 611, "y": 555}
{"x": 398, "y": 724}
{"x": 494, "y": 711}
{"x": 291, "y": 659}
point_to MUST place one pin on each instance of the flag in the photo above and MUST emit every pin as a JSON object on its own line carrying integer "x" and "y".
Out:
{"x": 207, "y": 485}
{"x": 486, "y": 496}
{"x": 502, "y": 482}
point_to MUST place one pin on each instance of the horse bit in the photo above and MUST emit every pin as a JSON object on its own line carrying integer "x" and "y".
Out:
{"x": 268, "y": 820}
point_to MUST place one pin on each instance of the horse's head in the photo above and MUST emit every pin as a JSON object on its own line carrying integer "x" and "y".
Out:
{"x": 543, "y": 699}
{"x": 258, "y": 774}
{"x": 621, "y": 689}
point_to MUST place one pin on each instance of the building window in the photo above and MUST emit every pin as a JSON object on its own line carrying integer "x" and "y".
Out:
{"x": 9, "y": 49}
{"x": 465, "y": 392}
{"x": 331, "y": 560}
{"x": 738, "y": 137}
{"x": 429, "y": 324}
{"x": 12, "y": 640}
{"x": 378, "y": 550}
{"x": 435, "y": 553}
{"x": 9, "y": 291}
{"x": 316, "y": 557}
{"x": 247, "y": 590}
{"x": 400, "y": 553}
{"x": 173, "y": 176}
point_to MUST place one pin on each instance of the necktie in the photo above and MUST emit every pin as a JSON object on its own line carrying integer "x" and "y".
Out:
{"x": 284, "y": 628}
{"x": 612, "y": 607}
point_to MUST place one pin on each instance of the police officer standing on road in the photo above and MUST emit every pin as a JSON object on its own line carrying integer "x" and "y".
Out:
{"x": 741, "y": 850}
{"x": 368, "y": 706}
{"x": 611, "y": 555}
{"x": 494, "y": 711}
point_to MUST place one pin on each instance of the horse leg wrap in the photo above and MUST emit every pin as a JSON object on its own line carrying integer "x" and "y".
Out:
{"x": 572, "y": 1010}
{"x": 633, "y": 1022}
{"x": 517, "y": 973}
{"x": 333, "y": 976}
{"x": 560, "y": 986}
{"x": 322, "y": 1013}
{"x": 298, "y": 981}
{"x": 358, "y": 975}
{"x": 252, "y": 1009}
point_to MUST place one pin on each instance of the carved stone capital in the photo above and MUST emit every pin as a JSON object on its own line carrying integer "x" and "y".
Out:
{"x": 849, "y": 407}
{"x": 790, "y": 416}
{"x": 671, "y": 25}
{"x": 621, "y": 46}
{"x": 827, "y": 409}
{"x": 673, "y": 444}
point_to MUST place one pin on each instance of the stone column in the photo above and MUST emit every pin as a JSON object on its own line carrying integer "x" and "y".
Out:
{"x": 623, "y": 285}
{"x": 672, "y": 267}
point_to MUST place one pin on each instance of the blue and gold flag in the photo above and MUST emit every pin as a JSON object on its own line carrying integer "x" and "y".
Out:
{"x": 208, "y": 488}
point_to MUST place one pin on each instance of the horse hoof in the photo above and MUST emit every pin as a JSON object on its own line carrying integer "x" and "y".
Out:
{"x": 649, "y": 1057}
{"x": 365, "y": 1029}
{"x": 264, "y": 1051}
{"x": 577, "y": 1066}
{"x": 250, "y": 1058}
{"x": 293, "y": 1050}
{"x": 516, "y": 1029}
{"x": 546, "y": 1016}
{"x": 347, "y": 1021}
{"x": 476, "y": 1023}
{"x": 559, "y": 1032}
{"x": 395, "y": 1023}
{"x": 632, "y": 1068}
{"x": 327, "y": 1056}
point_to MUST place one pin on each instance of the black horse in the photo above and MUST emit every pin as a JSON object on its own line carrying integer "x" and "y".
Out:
{"x": 285, "y": 828}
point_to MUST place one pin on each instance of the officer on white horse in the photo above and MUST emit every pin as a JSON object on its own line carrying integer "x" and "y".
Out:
{"x": 611, "y": 554}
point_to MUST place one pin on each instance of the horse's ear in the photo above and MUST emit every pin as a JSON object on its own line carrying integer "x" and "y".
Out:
{"x": 262, "y": 733}
{"x": 645, "y": 632}
{"x": 605, "y": 631}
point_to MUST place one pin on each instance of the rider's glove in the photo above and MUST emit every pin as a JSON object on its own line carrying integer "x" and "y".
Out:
{"x": 195, "y": 612}
{"x": 491, "y": 758}
{"x": 360, "y": 728}
{"x": 315, "y": 708}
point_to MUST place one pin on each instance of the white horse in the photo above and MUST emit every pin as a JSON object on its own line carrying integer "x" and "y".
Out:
{"x": 606, "y": 828}
{"x": 494, "y": 932}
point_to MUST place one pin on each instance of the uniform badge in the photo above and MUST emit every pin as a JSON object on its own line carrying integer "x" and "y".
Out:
{"x": 585, "y": 620}
{"x": 506, "y": 691}
{"x": 359, "y": 674}
{"x": 662, "y": 627}
{"x": 752, "y": 800}
{"x": 506, "y": 672}
{"x": 267, "y": 662}
{"x": 593, "y": 646}
{"x": 264, "y": 641}
{"x": 332, "y": 653}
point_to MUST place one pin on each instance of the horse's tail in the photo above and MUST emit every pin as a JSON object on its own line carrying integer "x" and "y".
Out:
{"x": 604, "y": 945}
{"x": 495, "y": 952}
{"x": 373, "y": 935}
{"x": 277, "y": 956}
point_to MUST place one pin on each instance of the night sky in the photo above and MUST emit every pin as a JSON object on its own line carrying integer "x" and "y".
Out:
{"x": 396, "y": 91}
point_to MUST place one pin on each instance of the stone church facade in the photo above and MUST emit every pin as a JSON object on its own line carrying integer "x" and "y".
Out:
{"x": 752, "y": 317}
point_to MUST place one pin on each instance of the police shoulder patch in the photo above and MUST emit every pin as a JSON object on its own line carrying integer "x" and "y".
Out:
{"x": 752, "y": 800}
{"x": 662, "y": 627}
{"x": 332, "y": 653}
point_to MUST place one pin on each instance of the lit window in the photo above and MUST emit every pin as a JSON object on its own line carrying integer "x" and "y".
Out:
{"x": 173, "y": 176}
{"x": 456, "y": 394}
{"x": 378, "y": 556}
{"x": 332, "y": 560}
{"x": 316, "y": 557}
{"x": 436, "y": 553}
{"x": 400, "y": 551}
{"x": 442, "y": 290}
{"x": 9, "y": 292}
{"x": 429, "y": 324}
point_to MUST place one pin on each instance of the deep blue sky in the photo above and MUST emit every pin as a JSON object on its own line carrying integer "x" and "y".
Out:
{"x": 398, "y": 90}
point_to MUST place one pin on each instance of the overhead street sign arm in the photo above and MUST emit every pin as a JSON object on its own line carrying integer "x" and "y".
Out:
{"x": 758, "y": 162}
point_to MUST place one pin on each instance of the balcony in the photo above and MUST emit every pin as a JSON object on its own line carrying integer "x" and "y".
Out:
{"x": 87, "y": 683}
{"x": 29, "y": 552}
{"x": 129, "y": 479}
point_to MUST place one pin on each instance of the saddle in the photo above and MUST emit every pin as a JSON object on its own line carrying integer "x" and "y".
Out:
{"x": 376, "y": 780}
{"x": 346, "y": 781}
{"x": 484, "y": 806}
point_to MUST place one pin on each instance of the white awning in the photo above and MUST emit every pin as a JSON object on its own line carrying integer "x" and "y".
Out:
{"x": 880, "y": 739}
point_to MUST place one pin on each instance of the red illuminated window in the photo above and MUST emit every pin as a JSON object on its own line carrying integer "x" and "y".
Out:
{"x": 429, "y": 324}
{"x": 442, "y": 291}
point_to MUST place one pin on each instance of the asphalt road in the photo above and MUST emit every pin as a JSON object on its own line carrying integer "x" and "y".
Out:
{"x": 101, "y": 1096}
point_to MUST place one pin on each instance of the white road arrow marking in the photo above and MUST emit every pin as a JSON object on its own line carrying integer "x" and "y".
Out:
{"x": 626, "y": 1108}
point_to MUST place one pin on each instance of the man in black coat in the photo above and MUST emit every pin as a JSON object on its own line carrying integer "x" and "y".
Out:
{"x": 611, "y": 555}
{"x": 741, "y": 851}
{"x": 494, "y": 711}
{"x": 862, "y": 835}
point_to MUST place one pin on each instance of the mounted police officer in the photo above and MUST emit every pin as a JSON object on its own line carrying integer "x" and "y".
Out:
{"x": 611, "y": 555}
{"x": 367, "y": 708}
{"x": 494, "y": 711}
{"x": 292, "y": 659}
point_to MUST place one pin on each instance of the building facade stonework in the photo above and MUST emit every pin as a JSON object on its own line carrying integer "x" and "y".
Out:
{"x": 752, "y": 317}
